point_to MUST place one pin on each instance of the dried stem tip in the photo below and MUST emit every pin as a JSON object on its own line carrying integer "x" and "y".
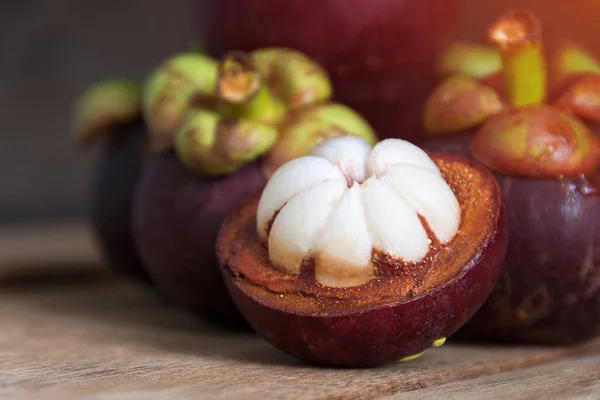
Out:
{"x": 518, "y": 36}
{"x": 239, "y": 78}
{"x": 516, "y": 29}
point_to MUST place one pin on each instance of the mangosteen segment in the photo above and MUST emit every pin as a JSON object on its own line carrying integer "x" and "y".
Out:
{"x": 381, "y": 212}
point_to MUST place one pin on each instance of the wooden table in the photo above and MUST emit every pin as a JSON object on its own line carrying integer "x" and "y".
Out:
{"x": 71, "y": 330}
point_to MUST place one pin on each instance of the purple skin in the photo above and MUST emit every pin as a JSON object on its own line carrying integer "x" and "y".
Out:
{"x": 371, "y": 336}
{"x": 176, "y": 219}
{"x": 380, "y": 54}
{"x": 550, "y": 288}
{"x": 113, "y": 184}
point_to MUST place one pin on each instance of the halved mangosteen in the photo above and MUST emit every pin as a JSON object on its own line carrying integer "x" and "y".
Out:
{"x": 358, "y": 256}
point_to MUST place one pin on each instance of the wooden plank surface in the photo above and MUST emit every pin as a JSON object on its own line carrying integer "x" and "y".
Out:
{"x": 70, "y": 330}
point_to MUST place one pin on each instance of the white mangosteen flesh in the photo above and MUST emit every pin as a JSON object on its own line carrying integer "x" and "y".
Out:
{"x": 346, "y": 201}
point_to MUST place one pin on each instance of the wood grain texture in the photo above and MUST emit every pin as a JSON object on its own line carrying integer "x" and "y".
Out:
{"x": 569, "y": 379}
{"x": 85, "y": 334}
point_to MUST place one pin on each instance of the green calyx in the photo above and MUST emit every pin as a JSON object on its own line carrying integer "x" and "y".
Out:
{"x": 212, "y": 145}
{"x": 179, "y": 84}
{"x": 103, "y": 107}
{"x": 221, "y": 114}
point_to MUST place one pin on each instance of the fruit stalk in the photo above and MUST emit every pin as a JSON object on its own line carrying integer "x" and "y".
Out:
{"x": 518, "y": 36}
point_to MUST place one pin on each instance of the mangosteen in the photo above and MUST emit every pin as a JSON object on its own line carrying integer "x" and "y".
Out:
{"x": 380, "y": 55}
{"x": 110, "y": 112}
{"x": 546, "y": 159}
{"x": 218, "y": 129}
{"x": 359, "y": 256}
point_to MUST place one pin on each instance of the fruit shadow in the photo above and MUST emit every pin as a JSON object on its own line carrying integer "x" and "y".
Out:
{"x": 131, "y": 312}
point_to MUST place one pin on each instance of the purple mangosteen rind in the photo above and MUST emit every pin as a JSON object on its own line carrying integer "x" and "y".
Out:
{"x": 549, "y": 291}
{"x": 114, "y": 178}
{"x": 176, "y": 219}
{"x": 335, "y": 332}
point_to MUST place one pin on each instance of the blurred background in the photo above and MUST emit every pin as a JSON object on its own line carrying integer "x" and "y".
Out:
{"x": 53, "y": 49}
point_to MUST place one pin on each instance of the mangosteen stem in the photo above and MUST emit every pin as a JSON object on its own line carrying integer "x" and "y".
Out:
{"x": 518, "y": 36}
{"x": 243, "y": 93}
{"x": 212, "y": 145}
{"x": 103, "y": 107}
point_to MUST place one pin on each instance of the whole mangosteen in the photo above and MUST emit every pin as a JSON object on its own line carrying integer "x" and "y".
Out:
{"x": 547, "y": 161}
{"x": 110, "y": 112}
{"x": 218, "y": 129}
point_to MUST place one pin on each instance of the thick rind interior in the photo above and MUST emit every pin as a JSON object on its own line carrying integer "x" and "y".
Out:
{"x": 246, "y": 260}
